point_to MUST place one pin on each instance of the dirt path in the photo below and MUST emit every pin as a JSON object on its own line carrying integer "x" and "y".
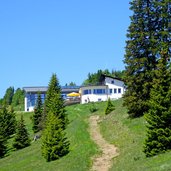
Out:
{"x": 109, "y": 151}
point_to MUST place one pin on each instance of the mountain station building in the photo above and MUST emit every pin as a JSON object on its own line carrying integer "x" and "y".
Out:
{"x": 107, "y": 87}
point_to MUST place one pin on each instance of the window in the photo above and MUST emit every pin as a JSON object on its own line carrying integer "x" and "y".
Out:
{"x": 115, "y": 90}
{"x": 87, "y": 91}
{"x": 119, "y": 90}
{"x": 110, "y": 91}
{"x": 99, "y": 91}
{"x": 112, "y": 82}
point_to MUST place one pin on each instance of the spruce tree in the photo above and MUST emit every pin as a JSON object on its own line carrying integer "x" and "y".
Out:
{"x": 54, "y": 142}
{"x": 3, "y": 146}
{"x": 21, "y": 139}
{"x": 37, "y": 114}
{"x": 3, "y": 141}
{"x": 54, "y": 102}
{"x": 8, "y": 96}
{"x": 7, "y": 121}
{"x": 140, "y": 57}
{"x": 110, "y": 107}
{"x": 159, "y": 115}
{"x": 18, "y": 99}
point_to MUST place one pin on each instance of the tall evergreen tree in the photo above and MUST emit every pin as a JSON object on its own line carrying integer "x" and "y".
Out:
{"x": 3, "y": 137}
{"x": 7, "y": 121}
{"x": 18, "y": 98}
{"x": 21, "y": 139}
{"x": 54, "y": 142}
{"x": 37, "y": 116}
{"x": 140, "y": 57}
{"x": 3, "y": 145}
{"x": 159, "y": 115}
{"x": 54, "y": 102}
{"x": 8, "y": 96}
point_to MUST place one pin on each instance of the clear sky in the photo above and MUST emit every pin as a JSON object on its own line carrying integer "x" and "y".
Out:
{"x": 68, "y": 37}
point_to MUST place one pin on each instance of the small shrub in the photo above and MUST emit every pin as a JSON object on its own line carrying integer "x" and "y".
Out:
{"x": 93, "y": 108}
{"x": 21, "y": 139}
{"x": 110, "y": 107}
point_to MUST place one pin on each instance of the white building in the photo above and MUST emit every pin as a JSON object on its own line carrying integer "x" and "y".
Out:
{"x": 31, "y": 94}
{"x": 109, "y": 87}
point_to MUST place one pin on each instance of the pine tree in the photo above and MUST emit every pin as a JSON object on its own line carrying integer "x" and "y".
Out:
{"x": 37, "y": 114}
{"x": 54, "y": 142}
{"x": 110, "y": 107}
{"x": 140, "y": 57}
{"x": 21, "y": 139}
{"x": 42, "y": 122}
{"x": 3, "y": 140}
{"x": 3, "y": 145}
{"x": 159, "y": 115}
{"x": 54, "y": 102}
{"x": 7, "y": 121}
{"x": 18, "y": 99}
{"x": 8, "y": 96}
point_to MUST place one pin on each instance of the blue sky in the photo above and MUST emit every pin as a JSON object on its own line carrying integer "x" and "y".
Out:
{"x": 68, "y": 37}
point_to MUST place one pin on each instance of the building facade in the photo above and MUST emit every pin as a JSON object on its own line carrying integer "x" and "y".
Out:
{"x": 108, "y": 87}
{"x": 31, "y": 94}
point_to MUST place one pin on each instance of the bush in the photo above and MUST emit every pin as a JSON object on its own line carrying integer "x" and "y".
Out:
{"x": 110, "y": 107}
{"x": 93, "y": 108}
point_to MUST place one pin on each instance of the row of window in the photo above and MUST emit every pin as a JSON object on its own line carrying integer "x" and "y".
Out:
{"x": 115, "y": 90}
{"x": 102, "y": 91}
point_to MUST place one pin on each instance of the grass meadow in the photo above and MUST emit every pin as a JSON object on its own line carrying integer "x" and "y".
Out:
{"x": 127, "y": 134}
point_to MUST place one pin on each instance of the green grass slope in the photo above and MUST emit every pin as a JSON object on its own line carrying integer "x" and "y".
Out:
{"x": 82, "y": 148}
{"x": 127, "y": 134}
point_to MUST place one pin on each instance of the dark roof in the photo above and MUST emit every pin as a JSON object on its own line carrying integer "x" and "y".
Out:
{"x": 103, "y": 76}
{"x": 45, "y": 88}
{"x": 35, "y": 89}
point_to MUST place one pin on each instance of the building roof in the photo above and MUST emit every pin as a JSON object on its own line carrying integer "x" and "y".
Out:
{"x": 103, "y": 76}
{"x": 44, "y": 89}
{"x": 35, "y": 89}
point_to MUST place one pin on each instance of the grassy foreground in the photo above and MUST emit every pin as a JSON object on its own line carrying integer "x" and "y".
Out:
{"x": 82, "y": 148}
{"x": 127, "y": 134}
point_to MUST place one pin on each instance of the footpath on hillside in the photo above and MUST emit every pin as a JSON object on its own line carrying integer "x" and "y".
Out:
{"x": 104, "y": 161}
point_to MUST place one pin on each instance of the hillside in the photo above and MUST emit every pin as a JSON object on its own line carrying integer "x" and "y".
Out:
{"x": 126, "y": 134}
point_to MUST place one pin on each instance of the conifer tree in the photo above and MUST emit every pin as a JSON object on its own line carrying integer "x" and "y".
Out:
{"x": 8, "y": 96}
{"x": 42, "y": 122}
{"x": 18, "y": 98}
{"x": 54, "y": 142}
{"x": 3, "y": 145}
{"x": 54, "y": 102}
{"x": 21, "y": 139}
{"x": 7, "y": 128}
{"x": 37, "y": 114}
{"x": 140, "y": 57}
{"x": 110, "y": 107}
{"x": 7, "y": 121}
{"x": 159, "y": 115}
